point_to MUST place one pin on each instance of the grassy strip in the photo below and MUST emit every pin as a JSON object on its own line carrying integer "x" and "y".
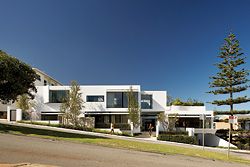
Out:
{"x": 118, "y": 143}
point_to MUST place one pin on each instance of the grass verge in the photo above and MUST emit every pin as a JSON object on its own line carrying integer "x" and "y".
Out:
{"x": 118, "y": 143}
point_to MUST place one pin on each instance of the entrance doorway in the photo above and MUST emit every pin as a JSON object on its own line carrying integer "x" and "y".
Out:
{"x": 12, "y": 115}
{"x": 146, "y": 122}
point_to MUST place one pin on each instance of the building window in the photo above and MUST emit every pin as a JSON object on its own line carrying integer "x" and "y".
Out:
{"x": 3, "y": 114}
{"x": 118, "y": 99}
{"x": 114, "y": 100}
{"x": 57, "y": 96}
{"x": 39, "y": 77}
{"x": 146, "y": 101}
{"x": 45, "y": 83}
{"x": 50, "y": 117}
{"x": 95, "y": 98}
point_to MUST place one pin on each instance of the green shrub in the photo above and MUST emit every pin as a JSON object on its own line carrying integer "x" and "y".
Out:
{"x": 107, "y": 131}
{"x": 174, "y": 132}
{"x": 189, "y": 102}
{"x": 179, "y": 138}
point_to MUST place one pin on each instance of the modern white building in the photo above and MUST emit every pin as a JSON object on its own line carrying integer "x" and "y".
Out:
{"x": 106, "y": 103}
{"x": 44, "y": 79}
{"x": 191, "y": 116}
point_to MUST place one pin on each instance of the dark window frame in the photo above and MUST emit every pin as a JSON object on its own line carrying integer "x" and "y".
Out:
{"x": 124, "y": 103}
{"x": 39, "y": 77}
{"x": 53, "y": 97}
{"x": 151, "y": 101}
{"x": 94, "y": 98}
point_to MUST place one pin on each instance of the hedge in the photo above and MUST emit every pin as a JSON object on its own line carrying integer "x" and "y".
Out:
{"x": 173, "y": 133}
{"x": 179, "y": 138}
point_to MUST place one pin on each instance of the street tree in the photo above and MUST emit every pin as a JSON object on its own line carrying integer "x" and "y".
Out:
{"x": 172, "y": 121}
{"x": 232, "y": 77}
{"x": 170, "y": 99}
{"x": 25, "y": 104}
{"x": 73, "y": 104}
{"x": 133, "y": 108}
{"x": 16, "y": 78}
{"x": 163, "y": 119}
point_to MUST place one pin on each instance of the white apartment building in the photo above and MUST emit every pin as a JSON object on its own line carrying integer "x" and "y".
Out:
{"x": 106, "y": 103}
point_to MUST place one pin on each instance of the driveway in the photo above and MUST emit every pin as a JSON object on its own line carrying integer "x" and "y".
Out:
{"x": 24, "y": 149}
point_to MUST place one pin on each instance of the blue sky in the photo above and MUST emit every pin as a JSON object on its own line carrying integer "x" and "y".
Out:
{"x": 161, "y": 45}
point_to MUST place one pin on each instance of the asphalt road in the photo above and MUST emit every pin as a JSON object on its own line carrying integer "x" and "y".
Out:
{"x": 20, "y": 149}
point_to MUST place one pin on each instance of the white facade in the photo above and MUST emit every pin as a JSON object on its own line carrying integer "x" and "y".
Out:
{"x": 111, "y": 107}
{"x": 151, "y": 103}
{"x": 44, "y": 79}
{"x": 190, "y": 116}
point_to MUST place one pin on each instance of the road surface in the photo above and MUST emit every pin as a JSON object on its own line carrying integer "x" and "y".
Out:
{"x": 21, "y": 149}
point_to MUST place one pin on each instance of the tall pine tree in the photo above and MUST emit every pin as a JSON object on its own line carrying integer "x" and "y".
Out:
{"x": 231, "y": 78}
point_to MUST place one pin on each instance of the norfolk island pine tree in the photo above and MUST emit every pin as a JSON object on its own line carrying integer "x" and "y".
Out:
{"x": 231, "y": 78}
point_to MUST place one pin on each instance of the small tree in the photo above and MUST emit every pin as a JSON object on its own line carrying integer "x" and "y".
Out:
{"x": 172, "y": 120}
{"x": 25, "y": 104}
{"x": 169, "y": 100}
{"x": 133, "y": 108}
{"x": 72, "y": 105}
{"x": 177, "y": 102}
{"x": 163, "y": 119}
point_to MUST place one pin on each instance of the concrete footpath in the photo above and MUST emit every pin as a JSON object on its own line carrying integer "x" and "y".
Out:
{"x": 240, "y": 153}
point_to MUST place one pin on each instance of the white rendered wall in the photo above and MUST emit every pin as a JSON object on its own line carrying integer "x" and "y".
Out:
{"x": 102, "y": 91}
{"x": 159, "y": 101}
{"x": 42, "y": 97}
{"x": 18, "y": 114}
{"x": 188, "y": 110}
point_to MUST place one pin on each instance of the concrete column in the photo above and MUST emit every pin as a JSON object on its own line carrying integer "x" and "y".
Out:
{"x": 212, "y": 122}
{"x": 190, "y": 131}
{"x": 132, "y": 128}
{"x": 18, "y": 114}
{"x": 8, "y": 113}
{"x": 157, "y": 128}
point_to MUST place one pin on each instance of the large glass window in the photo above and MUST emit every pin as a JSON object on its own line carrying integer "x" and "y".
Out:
{"x": 146, "y": 101}
{"x": 95, "y": 98}
{"x": 118, "y": 99}
{"x": 57, "y": 96}
{"x": 114, "y": 100}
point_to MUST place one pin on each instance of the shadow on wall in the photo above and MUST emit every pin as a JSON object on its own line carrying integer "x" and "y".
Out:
{"x": 214, "y": 141}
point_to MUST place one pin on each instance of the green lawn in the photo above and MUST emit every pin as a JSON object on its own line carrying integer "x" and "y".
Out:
{"x": 118, "y": 143}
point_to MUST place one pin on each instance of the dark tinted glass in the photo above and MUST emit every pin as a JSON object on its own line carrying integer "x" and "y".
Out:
{"x": 95, "y": 98}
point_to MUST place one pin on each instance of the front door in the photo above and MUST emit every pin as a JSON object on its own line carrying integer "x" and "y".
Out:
{"x": 12, "y": 115}
{"x": 146, "y": 122}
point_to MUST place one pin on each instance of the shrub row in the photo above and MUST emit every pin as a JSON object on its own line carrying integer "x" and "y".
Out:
{"x": 75, "y": 128}
{"x": 174, "y": 132}
{"x": 179, "y": 138}
{"x": 229, "y": 113}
